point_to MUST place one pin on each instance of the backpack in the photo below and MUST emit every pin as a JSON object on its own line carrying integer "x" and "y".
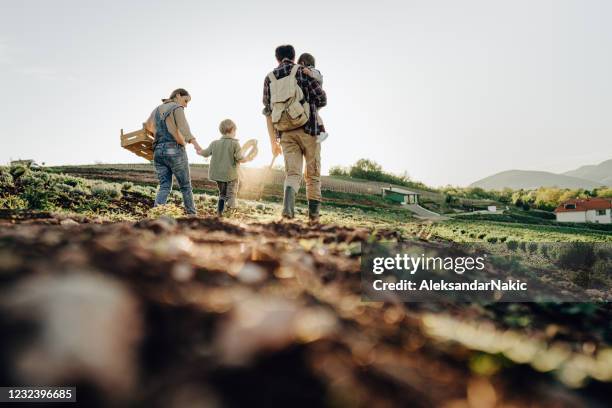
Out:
{"x": 289, "y": 108}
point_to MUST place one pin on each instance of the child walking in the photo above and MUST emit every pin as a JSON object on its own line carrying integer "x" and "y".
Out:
{"x": 223, "y": 168}
{"x": 308, "y": 61}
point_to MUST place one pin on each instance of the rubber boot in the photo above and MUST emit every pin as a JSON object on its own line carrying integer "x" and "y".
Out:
{"x": 289, "y": 203}
{"x": 220, "y": 207}
{"x": 313, "y": 211}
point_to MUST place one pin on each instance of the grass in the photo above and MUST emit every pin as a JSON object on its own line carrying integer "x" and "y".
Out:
{"x": 113, "y": 201}
{"x": 52, "y": 191}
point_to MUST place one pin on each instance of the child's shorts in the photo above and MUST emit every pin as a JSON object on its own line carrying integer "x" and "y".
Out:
{"x": 228, "y": 191}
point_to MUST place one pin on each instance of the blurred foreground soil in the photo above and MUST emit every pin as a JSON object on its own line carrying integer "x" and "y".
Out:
{"x": 204, "y": 312}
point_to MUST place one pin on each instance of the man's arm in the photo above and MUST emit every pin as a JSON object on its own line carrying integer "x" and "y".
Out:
{"x": 276, "y": 149}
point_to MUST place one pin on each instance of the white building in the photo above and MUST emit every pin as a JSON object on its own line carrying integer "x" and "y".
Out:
{"x": 598, "y": 210}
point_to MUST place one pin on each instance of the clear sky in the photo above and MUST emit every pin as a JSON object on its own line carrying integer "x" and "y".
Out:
{"x": 449, "y": 91}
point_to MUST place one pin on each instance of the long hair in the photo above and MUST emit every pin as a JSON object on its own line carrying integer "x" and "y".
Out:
{"x": 177, "y": 91}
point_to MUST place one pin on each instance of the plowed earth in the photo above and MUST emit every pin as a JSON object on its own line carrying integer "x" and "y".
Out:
{"x": 205, "y": 312}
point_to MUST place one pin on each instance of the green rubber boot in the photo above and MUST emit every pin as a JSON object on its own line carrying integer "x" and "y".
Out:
{"x": 313, "y": 211}
{"x": 289, "y": 203}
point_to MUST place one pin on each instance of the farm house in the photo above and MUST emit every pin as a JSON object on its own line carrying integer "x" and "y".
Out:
{"x": 399, "y": 195}
{"x": 597, "y": 210}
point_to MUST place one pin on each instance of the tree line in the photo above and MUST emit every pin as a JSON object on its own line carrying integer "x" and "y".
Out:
{"x": 543, "y": 198}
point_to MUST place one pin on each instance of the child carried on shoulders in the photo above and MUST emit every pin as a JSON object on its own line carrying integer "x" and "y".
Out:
{"x": 308, "y": 62}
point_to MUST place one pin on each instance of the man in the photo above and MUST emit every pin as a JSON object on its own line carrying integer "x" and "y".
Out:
{"x": 300, "y": 144}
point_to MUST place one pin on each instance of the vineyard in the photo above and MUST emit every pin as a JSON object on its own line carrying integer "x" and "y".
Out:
{"x": 463, "y": 230}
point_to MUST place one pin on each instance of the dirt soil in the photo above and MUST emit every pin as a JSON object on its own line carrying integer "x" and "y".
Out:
{"x": 205, "y": 312}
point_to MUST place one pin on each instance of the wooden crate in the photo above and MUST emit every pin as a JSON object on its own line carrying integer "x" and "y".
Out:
{"x": 139, "y": 142}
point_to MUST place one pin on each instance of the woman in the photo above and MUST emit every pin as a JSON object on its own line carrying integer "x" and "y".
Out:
{"x": 169, "y": 125}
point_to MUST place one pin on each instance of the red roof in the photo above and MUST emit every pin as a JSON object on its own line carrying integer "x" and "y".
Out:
{"x": 584, "y": 204}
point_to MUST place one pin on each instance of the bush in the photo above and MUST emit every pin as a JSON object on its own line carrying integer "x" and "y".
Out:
{"x": 63, "y": 188}
{"x": 602, "y": 272}
{"x": 523, "y": 246}
{"x": 6, "y": 179}
{"x": 144, "y": 191}
{"x": 18, "y": 171}
{"x": 582, "y": 279}
{"x": 106, "y": 191}
{"x": 79, "y": 191}
{"x": 169, "y": 210}
{"x": 370, "y": 170}
{"x": 482, "y": 236}
{"x": 533, "y": 247}
{"x": 38, "y": 190}
{"x": 544, "y": 250}
{"x": 367, "y": 169}
{"x": 70, "y": 181}
{"x": 512, "y": 245}
{"x": 38, "y": 199}
{"x": 338, "y": 171}
{"x": 604, "y": 192}
{"x": 579, "y": 255}
{"x": 597, "y": 277}
{"x": 12, "y": 202}
{"x": 127, "y": 186}
{"x": 604, "y": 252}
{"x": 492, "y": 240}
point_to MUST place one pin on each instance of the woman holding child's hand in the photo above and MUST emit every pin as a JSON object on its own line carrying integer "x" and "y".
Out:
{"x": 169, "y": 125}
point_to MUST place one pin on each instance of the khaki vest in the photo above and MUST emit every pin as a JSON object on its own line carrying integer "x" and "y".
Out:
{"x": 289, "y": 108}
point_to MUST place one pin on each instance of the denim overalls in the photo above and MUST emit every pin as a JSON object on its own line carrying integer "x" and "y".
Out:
{"x": 171, "y": 158}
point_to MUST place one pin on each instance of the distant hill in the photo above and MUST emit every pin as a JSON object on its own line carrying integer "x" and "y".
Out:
{"x": 601, "y": 172}
{"x": 517, "y": 179}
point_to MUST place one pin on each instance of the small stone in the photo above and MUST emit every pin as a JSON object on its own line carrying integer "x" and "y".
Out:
{"x": 174, "y": 246}
{"x": 89, "y": 329}
{"x": 251, "y": 273}
{"x": 68, "y": 221}
{"x": 182, "y": 272}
